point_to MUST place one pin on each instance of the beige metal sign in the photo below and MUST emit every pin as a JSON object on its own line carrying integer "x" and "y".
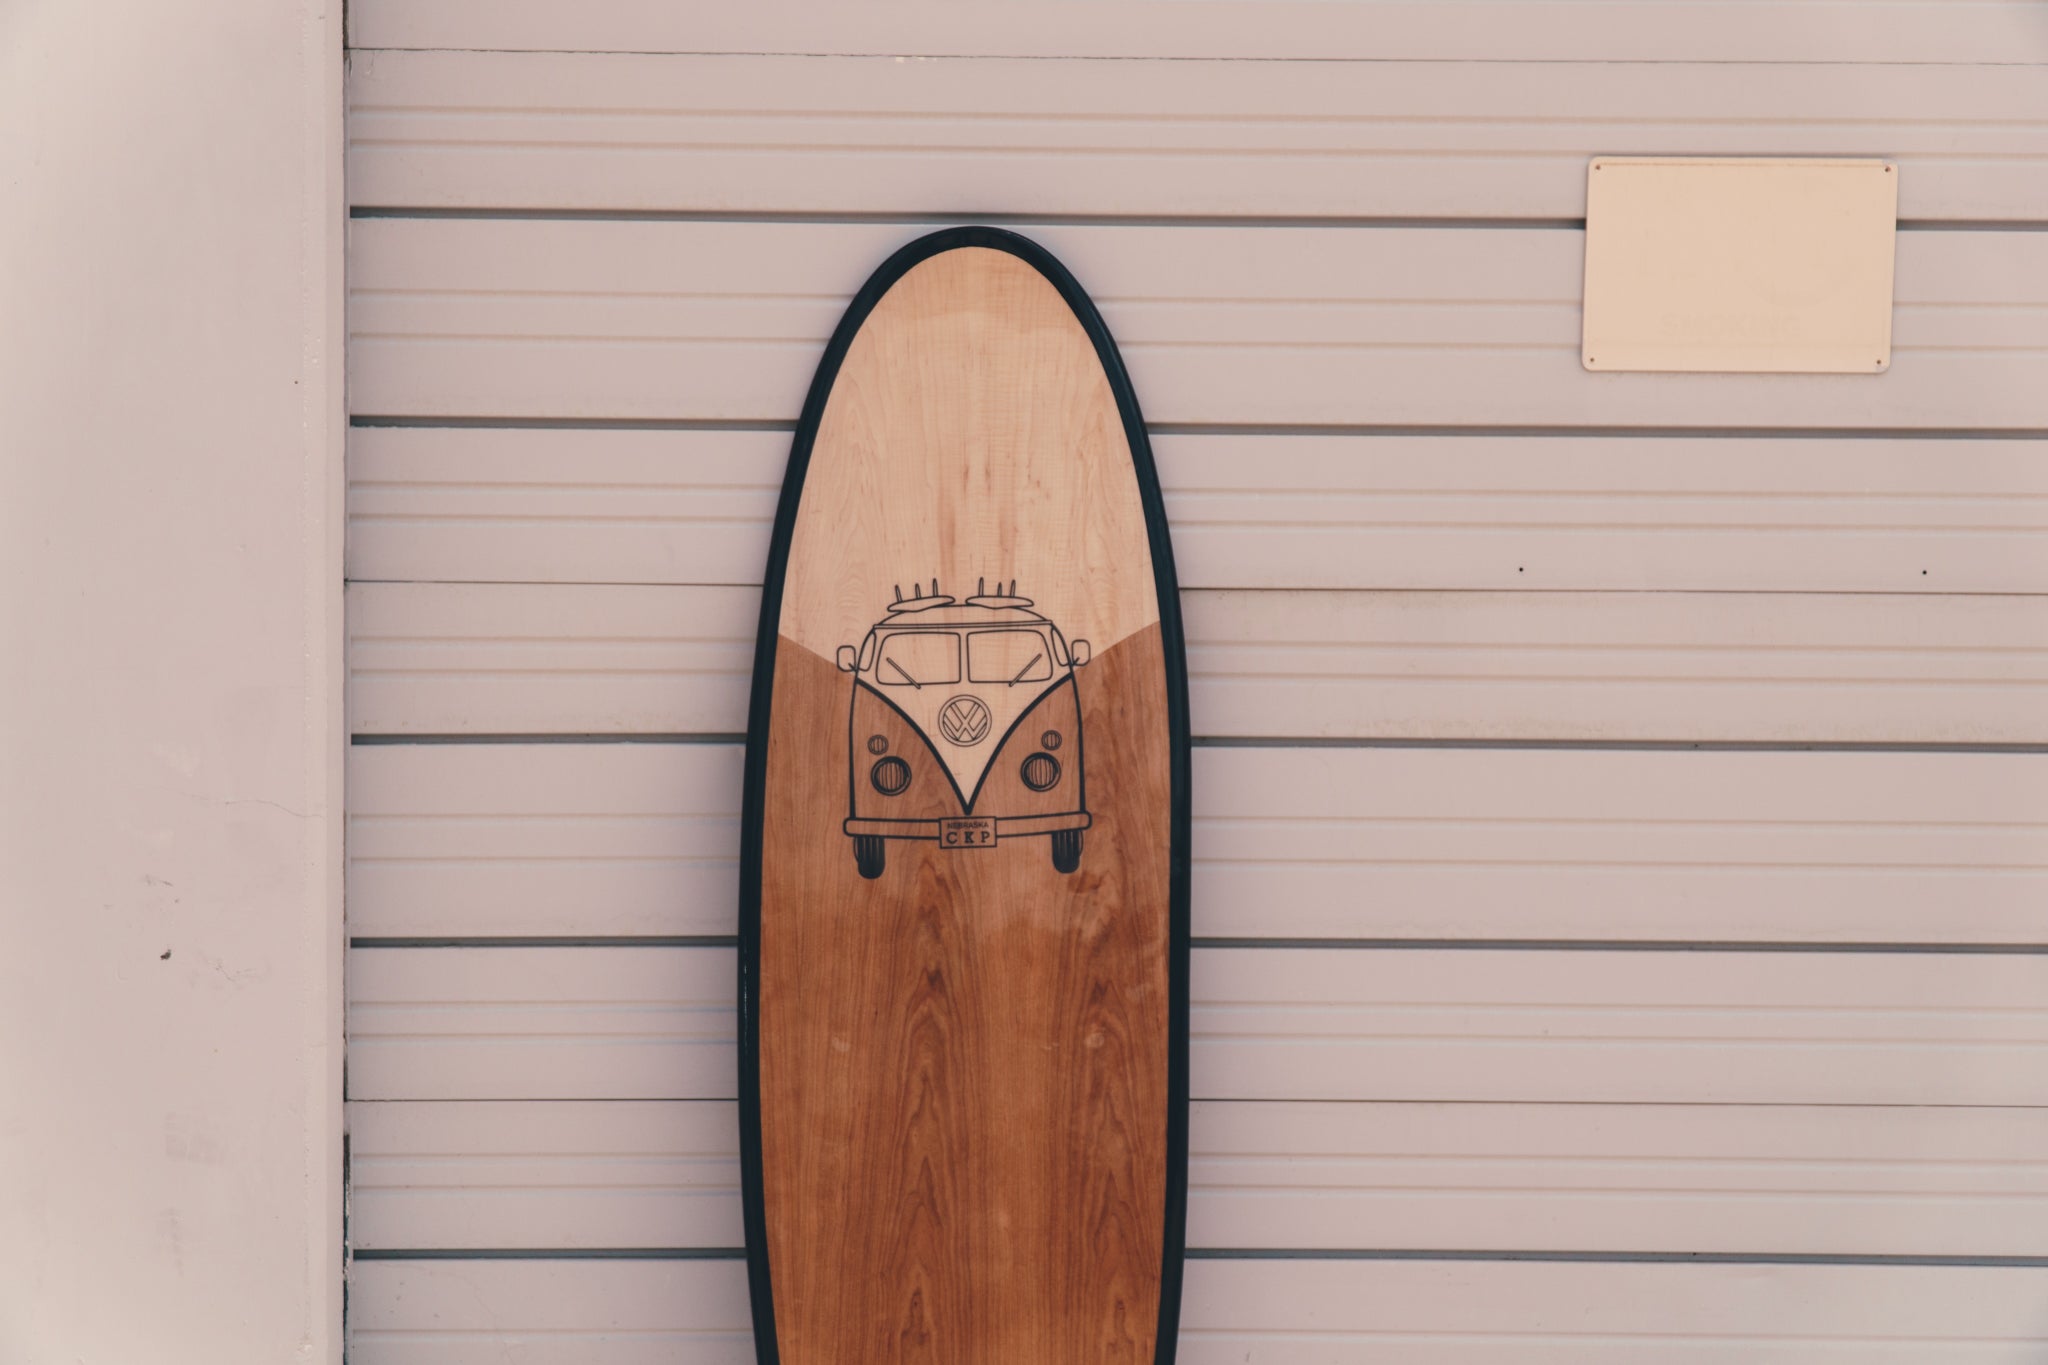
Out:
{"x": 1739, "y": 264}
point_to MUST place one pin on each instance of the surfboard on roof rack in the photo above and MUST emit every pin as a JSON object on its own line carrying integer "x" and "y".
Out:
{"x": 964, "y": 870}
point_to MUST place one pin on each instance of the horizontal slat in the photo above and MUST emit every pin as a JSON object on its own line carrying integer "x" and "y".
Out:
{"x": 496, "y": 1174}
{"x": 441, "y": 659}
{"x": 636, "y": 839}
{"x": 1284, "y": 326}
{"x": 546, "y": 839}
{"x": 1375, "y": 30}
{"x": 1636, "y": 1178}
{"x": 549, "y": 1313}
{"x": 1268, "y": 1313}
{"x": 1785, "y": 1180}
{"x": 524, "y": 659}
{"x": 1262, "y": 139}
{"x": 1282, "y": 1024}
{"x": 1441, "y": 511}
{"x": 541, "y": 1023}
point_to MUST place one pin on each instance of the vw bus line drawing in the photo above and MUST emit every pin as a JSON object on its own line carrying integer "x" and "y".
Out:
{"x": 964, "y": 727}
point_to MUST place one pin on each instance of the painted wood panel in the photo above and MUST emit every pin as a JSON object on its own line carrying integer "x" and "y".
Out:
{"x": 1268, "y": 1313}
{"x": 1780, "y": 1179}
{"x": 504, "y": 659}
{"x": 598, "y": 840}
{"x": 1234, "y": 139}
{"x": 1374, "y": 30}
{"x": 1289, "y": 327}
{"x": 1294, "y": 1023}
{"x": 1444, "y": 510}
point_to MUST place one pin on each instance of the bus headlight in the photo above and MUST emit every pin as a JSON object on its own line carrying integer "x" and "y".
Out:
{"x": 891, "y": 776}
{"x": 1041, "y": 772}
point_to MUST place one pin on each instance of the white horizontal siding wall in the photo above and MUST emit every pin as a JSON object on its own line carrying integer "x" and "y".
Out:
{"x": 1327, "y": 1312}
{"x": 1224, "y": 139}
{"x": 1755, "y": 32}
{"x": 1621, "y": 829}
{"x": 1278, "y": 326}
{"x": 1524, "y": 1177}
{"x": 1288, "y": 1022}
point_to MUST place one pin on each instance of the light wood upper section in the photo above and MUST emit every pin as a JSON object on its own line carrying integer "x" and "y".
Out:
{"x": 971, "y": 433}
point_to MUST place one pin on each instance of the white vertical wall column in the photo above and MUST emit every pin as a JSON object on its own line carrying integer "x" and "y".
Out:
{"x": 170, "y": 404}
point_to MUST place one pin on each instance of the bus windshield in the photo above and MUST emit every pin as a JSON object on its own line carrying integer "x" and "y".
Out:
{"x": 914, "y": 658}
{"x": 1008, "y": 656}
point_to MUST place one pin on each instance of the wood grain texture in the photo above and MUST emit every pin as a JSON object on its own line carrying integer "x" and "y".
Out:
{"x": 971, "y": 434}
{"x": 964, "y": 1054}
{"x": 963, "y": 1064}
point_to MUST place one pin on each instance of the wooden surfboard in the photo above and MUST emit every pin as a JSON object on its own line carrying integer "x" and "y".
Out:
{"x": 964, "y": 867}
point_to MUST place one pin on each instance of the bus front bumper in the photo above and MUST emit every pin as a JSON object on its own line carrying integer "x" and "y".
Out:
{"x": 1011, "y": 827}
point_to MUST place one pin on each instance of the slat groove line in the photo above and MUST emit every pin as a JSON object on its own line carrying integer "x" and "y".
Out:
{"x": 719, "y": 321}
{"x": 1695, "y": 846}
{"x": 1278, "y": 1312}
{"x": 1785, "y": 1183}
{"x": 656, "y": 1024}
{"x": 1342, "y": 667}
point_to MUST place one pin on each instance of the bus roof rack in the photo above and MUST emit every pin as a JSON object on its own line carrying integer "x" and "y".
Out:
{"x": 984, "y": 598}
{"x": 919, "y": 600}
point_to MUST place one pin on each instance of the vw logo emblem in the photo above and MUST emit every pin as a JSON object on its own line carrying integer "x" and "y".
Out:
{"x": 964, "y": 720}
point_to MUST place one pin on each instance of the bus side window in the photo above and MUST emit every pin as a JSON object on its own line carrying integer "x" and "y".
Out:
{"x": 1059, "y": 648}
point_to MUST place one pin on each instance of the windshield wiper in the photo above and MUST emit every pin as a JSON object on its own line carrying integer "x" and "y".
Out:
{"x": 1027, "y": 668}
{"x": 906, "y": 677}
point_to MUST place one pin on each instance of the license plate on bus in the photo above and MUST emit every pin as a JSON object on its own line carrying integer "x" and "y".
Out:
{"x": 975, "y": 832}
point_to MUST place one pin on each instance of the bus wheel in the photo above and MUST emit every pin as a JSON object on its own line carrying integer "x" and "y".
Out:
{"x": 1066, "y": 849}
{"x": 870, "y": 854}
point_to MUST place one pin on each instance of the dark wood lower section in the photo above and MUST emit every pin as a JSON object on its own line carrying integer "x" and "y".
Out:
{"x": 964, "y": 1062}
